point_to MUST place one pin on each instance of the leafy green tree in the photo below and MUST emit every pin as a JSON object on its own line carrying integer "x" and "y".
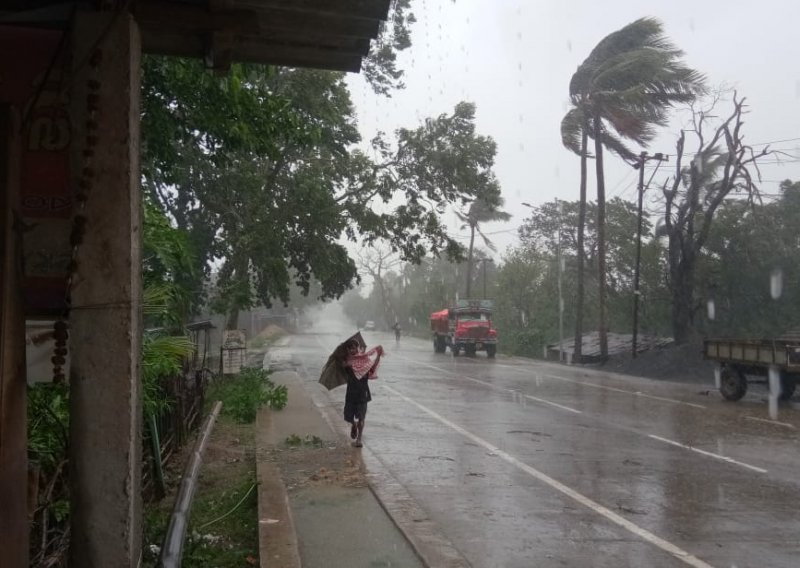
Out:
{"x": 622, "y": 91}
{"x": 266, "y": 190}
{"x": 380, "y": 66}
{"x": 168, "y": 270}
{"x": 539, "y": 239}
{"x": 762, "y": 238}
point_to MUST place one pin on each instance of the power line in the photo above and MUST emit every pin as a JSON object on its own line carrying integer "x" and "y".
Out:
{"x": 774, "y": 142}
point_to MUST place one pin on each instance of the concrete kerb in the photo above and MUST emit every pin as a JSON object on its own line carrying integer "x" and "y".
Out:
{"x": 429, "y": 544}
{"x": 277, "y": 536}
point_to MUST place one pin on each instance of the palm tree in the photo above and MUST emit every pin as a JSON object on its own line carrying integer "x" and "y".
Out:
{"x": 623, "y": 91}
{"x": 481, "y": 211}
{"x": 575, "y": 126}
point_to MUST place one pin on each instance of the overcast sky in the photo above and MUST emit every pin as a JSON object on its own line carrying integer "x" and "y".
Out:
{"x": 514, "y": 60}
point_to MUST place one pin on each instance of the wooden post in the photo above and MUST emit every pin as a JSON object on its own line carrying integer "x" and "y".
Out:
{"x": 105, "y": 321}
{"x": 13, "y": 388}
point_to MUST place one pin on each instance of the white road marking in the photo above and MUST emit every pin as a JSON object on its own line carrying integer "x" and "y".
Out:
{"x": 528, "y": 396}
{"x": 635, "y": 393}
{"x": 768, "y": 421}
{"x": 642, "y": 533}
{"x": 709, "y": 454}
{"x": 605, "y": 387}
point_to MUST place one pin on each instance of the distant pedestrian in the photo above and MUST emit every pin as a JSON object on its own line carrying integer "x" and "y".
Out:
{"x": 360, "y": 368}
{"x": 397, "y": 330}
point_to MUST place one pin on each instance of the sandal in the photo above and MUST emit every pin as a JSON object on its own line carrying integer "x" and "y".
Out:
{"x": 358, "y": 444}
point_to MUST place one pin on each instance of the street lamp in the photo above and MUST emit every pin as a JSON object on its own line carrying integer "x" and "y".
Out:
{"x": 560, "y": 271}
{"x": 484, "y": 261}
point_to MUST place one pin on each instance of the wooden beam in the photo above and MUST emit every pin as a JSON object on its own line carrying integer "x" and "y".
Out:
{"x": 256, "y": 52}
{"x": 174, "y": 17}
{"x": 193, "y": 18}
{"x": 219, "y": 52}
{"x": 299, "y": 57}
{"x": 13, "y": 385}
{"x": 372, "y": 9}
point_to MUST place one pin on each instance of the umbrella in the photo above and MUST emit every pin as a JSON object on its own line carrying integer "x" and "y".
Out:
{"x": 333, "y": 374}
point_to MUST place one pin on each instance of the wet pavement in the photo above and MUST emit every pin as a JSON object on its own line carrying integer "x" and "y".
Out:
{"x": 522, "y": 463}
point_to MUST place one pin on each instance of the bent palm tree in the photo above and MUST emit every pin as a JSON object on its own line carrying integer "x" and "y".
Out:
{"x": 575, "y": 136}
{"x": 624, "y": 90}
{"x": 480, "y": 211}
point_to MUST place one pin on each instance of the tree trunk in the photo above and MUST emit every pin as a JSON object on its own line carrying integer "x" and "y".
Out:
{"x": 469, "y": 261}
{"x": 601, "y": 241}
{"x": 578, "y": 349}
{"x": 682, "y": 267}
{"x": 233, "y": 319}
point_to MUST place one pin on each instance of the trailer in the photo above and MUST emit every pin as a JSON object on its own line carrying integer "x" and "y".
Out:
{"x": 739, "y": 359}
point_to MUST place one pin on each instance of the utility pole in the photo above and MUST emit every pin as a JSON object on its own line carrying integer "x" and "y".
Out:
{"x": 560, "y": 296}
{"x": 639, "y": 165}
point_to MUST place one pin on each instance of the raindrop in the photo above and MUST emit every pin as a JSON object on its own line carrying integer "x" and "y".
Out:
{"x": 569, "y": 46}
{"x": 718, "y": 377}
{"x": 776, "y": 283}
{"x": 774, "y": 391}
{"x": 712, "y": 311}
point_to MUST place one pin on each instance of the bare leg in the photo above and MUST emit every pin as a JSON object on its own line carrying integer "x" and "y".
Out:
{"x": 360, "y": 432}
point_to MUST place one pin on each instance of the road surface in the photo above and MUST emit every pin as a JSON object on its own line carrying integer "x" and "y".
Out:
{"x": 523, "y": 463}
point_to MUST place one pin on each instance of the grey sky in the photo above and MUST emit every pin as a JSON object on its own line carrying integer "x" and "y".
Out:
{"x": 514, "y": 59}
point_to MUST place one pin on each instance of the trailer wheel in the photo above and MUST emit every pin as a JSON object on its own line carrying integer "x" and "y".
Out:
{"x": 441, "y": 344}
{"x": 733, "y": 384}
{"x": 788, "y": 385}
{"x": 491, "y": 350}
{"x": 455, "y": 350}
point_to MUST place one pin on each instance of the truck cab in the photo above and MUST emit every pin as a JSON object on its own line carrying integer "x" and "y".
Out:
{"x": 466, "y": 327}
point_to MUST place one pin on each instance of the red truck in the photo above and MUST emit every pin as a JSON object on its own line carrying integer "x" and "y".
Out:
{"x": 467, "y": 327}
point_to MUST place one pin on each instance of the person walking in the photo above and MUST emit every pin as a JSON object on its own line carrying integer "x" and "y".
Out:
{"x": 360, "y": 369}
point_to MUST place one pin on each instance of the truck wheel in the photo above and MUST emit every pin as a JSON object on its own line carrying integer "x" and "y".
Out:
{"x": 442, "y": 344}
{"x": 788, "y": 385}
{"x": 455, "y": 350}
{"x": 733, "y": 384}
{"x": 491, "y": 350}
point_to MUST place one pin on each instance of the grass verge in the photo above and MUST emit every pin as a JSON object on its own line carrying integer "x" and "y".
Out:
{"x": 223, "y": 524}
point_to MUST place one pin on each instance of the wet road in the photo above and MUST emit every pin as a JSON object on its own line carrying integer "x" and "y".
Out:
{"x": 522, "y": 463}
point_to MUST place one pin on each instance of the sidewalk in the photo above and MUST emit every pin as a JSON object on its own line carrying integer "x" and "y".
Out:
{"x": 315, "y": 506}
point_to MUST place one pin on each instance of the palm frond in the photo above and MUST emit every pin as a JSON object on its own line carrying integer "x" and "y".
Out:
{"x": 644, "y": 32}
{"x": 617, "y": 146}
{"x": 572, "y": 126}
{"x": 486, "y": 240}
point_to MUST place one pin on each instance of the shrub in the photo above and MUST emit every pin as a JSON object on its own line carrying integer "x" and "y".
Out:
{"x": 245, "y": 393}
